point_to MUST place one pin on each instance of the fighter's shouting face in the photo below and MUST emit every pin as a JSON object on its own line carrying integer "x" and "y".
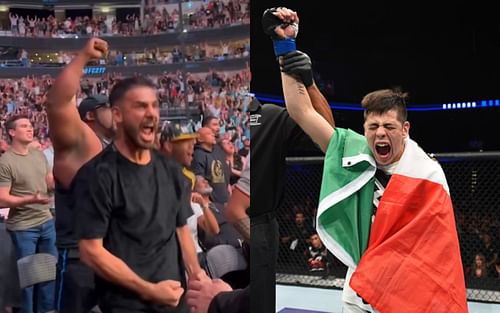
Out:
{"x": 386, "y": 134}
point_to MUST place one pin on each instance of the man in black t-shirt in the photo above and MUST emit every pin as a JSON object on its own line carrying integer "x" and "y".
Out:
{"x": 131, "y": 212}
{"x": 210, "y": 162}
{"x": 274, "y": 133}
{"x": 77, "y": 133}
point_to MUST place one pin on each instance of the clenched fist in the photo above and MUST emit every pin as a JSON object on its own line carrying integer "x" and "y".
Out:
{"x": 95, "y": 48}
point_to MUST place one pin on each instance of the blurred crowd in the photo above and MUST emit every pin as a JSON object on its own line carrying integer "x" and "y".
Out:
{"x": 157, "y": 19}
{"x": 479, "y": 243}
{"x": 201, "y": 52}
{"x": 216, "y": 94}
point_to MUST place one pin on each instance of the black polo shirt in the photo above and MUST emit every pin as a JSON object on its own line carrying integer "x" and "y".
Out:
{"x": 135, "y": 209}
{"x": 274, "y": 135}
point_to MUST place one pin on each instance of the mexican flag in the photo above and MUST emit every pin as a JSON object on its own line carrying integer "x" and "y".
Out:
{"x": 409, "y": 259}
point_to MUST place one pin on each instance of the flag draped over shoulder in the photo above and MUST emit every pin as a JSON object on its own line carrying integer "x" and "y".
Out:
{"x": 345, "y": 206}
{"x": 412, "y": 261}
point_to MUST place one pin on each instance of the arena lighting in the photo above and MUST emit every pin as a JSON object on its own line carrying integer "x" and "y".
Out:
{"x": 105, "y": 9}
{"x": 4, "y": 8}
{"x": 266, "y": 98}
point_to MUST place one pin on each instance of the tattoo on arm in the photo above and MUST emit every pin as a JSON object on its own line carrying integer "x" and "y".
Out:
{"x": 243, "y": 227}
{"x": 301, "y": 89}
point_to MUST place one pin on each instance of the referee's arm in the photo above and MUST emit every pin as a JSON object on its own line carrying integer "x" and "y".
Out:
{"x": 300, "y": 108}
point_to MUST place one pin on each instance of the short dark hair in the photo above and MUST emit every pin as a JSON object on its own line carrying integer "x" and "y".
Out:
{"x": 381, "y": 101}
{"x": 313, "y": 233}
{"x": 121, "y": 87}
{"x": 208, "y": 119}
{"x": 11, "y": 123}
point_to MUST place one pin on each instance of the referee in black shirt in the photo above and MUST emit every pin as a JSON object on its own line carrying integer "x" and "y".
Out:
{"x": 274, "y": 135}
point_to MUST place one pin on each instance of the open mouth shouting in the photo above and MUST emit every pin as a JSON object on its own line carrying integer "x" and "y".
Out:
{"x": 147, "y": 132}
{"x": 383, "y": 151}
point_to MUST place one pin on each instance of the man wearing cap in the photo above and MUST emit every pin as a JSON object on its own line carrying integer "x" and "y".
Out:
{"x": 177, "y": 142}
{"x": 77, "y": 134}
{"x": 95, "y": 111}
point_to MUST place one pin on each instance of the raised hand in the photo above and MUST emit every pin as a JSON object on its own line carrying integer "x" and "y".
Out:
{"x": 280, "y": 23}
{"x": 95, "y": 48}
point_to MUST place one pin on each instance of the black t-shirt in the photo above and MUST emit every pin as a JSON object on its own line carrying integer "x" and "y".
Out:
{"x": 213, "y": 166}
{"x": 64, "y": 204}
{"x": 381, "y": 181}
{"x": 64, "y": 199}
{"x": 236, "y": 301}
{"x": 136, "y": 210}
{"x": 274, "y": 135}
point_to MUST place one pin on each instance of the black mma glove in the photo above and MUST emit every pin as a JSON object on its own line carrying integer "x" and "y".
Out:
{"x": 298, "y": 64}
{"x": 282, "y": 46}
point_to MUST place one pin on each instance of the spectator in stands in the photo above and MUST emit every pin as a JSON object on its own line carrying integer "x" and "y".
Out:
{"x": 213, "y": 123}
{"x": 316, "y": 254}
{"x": 177, "y": 142}
{"x": 228, "y": 234}
{"x": 216, "y": 296}
{"x": 246, "y": 148}
{"x": 296, "y": 237}
{"x": 32, "y": 25}
{"x": 95, "y": 112}
{"x": 21, "y": 27}
{"x": 25, "y": 180}
{"x": 497, "y": 270}
{"x": 479, "y": 269}
{"x": 488, "y": 250}
{"x": 13, "y": 23}
{"x": 234, "y": 161}
{"x": 217, "y": 14}
{"x": 24, "y": 58}
{"x": 27, "y": 95}
{"x": 211, "y": 164}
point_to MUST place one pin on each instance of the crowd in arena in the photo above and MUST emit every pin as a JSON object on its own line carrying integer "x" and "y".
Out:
{"x": 217, "y": 94}
{"x": 479, "y": 243}
{"x": 223, "y": 115}
{"x": 156, "y": 20}
{"x": 201, "y": 52}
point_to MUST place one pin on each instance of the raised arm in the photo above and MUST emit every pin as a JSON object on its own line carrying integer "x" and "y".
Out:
{"x": 298, "y": 64}
{"x": 66, "y": 128}
{"x": 320, "y": 104}
{"x": 300, "y": 108}
{"x": 304, "y": 102}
